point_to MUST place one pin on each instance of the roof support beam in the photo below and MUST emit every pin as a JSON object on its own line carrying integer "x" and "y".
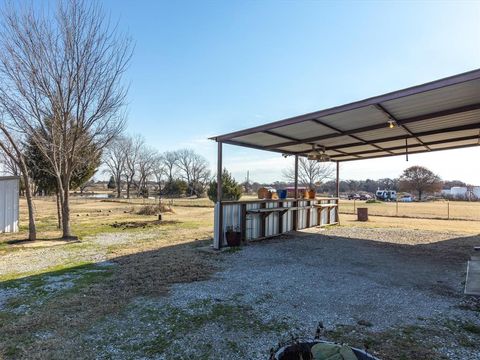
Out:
{"x": 403, "y": 126}
{"x": 340, "y": 131}
{"x": 415, "y": 152}
{"x": 424, "y": 144}
{"x": 413, "y": 119}
{"x": 424, "y": 133}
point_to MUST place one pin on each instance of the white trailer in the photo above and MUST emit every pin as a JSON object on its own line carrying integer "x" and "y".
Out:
{"x": 9, "y": 203}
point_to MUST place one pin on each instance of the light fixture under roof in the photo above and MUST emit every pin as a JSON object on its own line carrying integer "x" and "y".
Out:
{"x": 391, "y": 123}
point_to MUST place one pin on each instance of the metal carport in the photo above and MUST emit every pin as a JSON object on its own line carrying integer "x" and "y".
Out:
{"x": 439, "y": 115}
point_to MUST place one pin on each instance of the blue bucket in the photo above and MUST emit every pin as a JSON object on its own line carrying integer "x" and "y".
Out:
{"x": 282, "y": 194}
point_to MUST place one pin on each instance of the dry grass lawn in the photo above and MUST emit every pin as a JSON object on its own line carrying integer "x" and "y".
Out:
{"x": 111, "y": 266}
{"x": 464, "y": 210}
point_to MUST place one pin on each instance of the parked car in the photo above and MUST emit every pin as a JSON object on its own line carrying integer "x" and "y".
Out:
{"x": 365, "y": 197}
{"x": 406, "y": 198}
{"x": 353, "y": 197}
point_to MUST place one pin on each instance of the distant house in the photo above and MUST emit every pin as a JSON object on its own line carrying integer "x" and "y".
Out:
{"x": 462, "y": 192}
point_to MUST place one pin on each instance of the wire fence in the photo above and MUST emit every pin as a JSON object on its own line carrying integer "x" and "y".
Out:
{"x": 448, "y": 210}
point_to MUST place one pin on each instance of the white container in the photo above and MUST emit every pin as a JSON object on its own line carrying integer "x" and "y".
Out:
{"x": 9, "y": 203}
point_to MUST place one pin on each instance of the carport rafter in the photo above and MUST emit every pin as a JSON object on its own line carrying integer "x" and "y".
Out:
{"x": 437, "y": 114}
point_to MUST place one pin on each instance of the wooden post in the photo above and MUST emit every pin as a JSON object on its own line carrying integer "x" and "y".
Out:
{"x": 219, "y": 229}
{"x": 448, "y": 209}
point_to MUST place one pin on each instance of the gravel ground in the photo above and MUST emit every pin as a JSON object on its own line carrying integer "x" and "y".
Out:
{"x": 386, "y": 278}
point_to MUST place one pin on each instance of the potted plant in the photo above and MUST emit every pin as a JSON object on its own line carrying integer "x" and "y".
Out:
{"x": 233, "y": 235}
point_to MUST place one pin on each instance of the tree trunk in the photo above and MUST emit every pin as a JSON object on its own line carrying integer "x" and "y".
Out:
{"x": 32, "y": 228}
{"x": 419, "y": 194}
{"x": 67, "y": 233}
{"x": 119, "y": 187}
{"x": 59, "y": 212}
{"x": 128, "y": 189}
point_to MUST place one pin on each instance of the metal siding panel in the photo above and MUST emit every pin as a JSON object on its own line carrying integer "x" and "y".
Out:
{"x": 340, "y": 140}
{"x": 358, "y": 148}
{"x": 9, "y": 198}
{"x": 260, "y": 139}
{"x": 455, "y": 143}
{"x": 467, "y": 118}
{"x": 3, "y": 210}
{"x": 294, "y": 148}
{"x": 303, "y": 130}
{"x": 450, "y": 135}
{"x": 448, "y": 97}
{"x": 347, "y": 120}
{"x": 381, "y": 133}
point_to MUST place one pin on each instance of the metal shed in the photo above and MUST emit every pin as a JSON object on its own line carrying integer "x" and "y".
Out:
{"x": 439, "y": 115}
{"x": 9, "y": 203}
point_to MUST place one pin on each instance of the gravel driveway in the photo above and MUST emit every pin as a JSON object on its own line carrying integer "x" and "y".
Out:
{"x": 383, "y": 279}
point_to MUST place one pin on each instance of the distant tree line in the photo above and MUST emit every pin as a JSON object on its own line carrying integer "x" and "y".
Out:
{"x": 140, "y": 170}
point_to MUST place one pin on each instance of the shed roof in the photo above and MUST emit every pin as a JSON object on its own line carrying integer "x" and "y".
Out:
{"x": 439, "y": 115}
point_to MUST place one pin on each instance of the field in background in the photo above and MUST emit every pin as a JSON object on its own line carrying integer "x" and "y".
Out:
{"x": 463, "y": 210}
{"x": 94, "y": 216}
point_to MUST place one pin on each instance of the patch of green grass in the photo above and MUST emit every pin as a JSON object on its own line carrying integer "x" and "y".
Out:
{"x": 471, "y": 328}
{"x": 182, "y": 322}
{"x": 233, "y": 249}
{"x": 34, "y": 292}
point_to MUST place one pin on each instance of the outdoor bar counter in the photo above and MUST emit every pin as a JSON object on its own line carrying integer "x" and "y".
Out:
{"x": 263, "y": 218}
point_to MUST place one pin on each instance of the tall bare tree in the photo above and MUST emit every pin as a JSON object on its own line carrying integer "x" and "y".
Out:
{"x": 133, "y": 147}
{"x": 145, "y": 164}
{"x": 310, "y": 172}
{"x": 170, "y": 162}
{"x": 159, "y": 170}
{"x": 61, "y": 83}
{"x": 115, "y": 160}
{"x": 194, "y": 170}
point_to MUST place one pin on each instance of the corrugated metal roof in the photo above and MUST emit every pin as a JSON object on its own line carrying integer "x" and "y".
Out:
{"x": 303, "y": 130}
{"x": 443, "y": 114}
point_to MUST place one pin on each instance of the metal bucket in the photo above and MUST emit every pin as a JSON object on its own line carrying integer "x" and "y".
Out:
{"x": 361, "y": 354}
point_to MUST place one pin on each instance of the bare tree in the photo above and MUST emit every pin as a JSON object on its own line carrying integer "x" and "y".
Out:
{"x": 310, "y": 172}
{"x": 133, "y": 148}
{"x": 115, "y": 159}
{"x": 194, "y": 170}
{"x": 9, "y": 165}
{"x": 159, "y": 170}
{"x": 145, "y": 164}
{"x": 170, "y": 162}
{"x": 12, "y": 150}
{"x": 61, "y": 83}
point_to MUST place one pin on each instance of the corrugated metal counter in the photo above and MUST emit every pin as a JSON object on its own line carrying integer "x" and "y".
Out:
{"x": 259, "y": 219}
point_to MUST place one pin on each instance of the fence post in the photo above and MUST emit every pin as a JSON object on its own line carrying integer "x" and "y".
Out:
{"x": 354, "y": 206}
{"x": 448, "y": 209}
{"x": 396, "y": 208}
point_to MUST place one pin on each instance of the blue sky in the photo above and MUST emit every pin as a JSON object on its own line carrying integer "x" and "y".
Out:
{"x": 203, "y": 68}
